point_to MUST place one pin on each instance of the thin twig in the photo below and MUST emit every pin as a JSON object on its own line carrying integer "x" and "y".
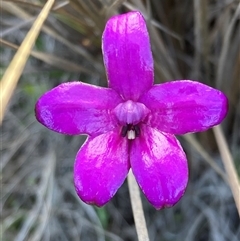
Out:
{"x": 137, "y": 208}
{"x": 229, "y": 165}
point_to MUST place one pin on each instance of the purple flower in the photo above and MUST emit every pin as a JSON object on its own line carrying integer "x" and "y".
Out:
{"x": 131, "y": 123}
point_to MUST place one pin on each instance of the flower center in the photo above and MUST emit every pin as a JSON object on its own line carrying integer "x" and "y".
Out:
{"x": 129, "y": 114}
{"x": 131, "y": 131}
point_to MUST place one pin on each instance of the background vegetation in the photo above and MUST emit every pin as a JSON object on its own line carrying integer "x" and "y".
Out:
{"x": 196, "y": 39}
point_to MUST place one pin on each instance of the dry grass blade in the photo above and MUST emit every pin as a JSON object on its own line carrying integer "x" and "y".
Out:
{"x": 194, "y": 227}
{"x": 15, "y": 68}
{"x": 113, "y": 8}
{"x": 53, "y": 60}
{"x": 167, "y": 67}
{"x": 48, "y": 186}
{"x": 225, "y": 48}
{"x": 60, "y": 5}
{"x": 43, "y": 205}
{"x": 229, "y": 165}
{"x": 12, "y": 8}
{"x": 201, "y": 40}
{"x": 16, "y": 27}
{"x": 154, "y": 22}
{"x": 198, "y": 147}
{"x": 23, "y": 14}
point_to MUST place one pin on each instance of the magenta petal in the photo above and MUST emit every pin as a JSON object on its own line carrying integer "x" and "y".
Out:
{"x": 101, "y": 167}
{"x": 127, "y": 55}
{"x": 160, "y": 167}
{"x": 184, "y": 106}
{"x": 77, "y": 108}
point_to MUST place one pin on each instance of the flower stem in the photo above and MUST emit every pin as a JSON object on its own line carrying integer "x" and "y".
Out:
{"x": 137, "y": 208}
